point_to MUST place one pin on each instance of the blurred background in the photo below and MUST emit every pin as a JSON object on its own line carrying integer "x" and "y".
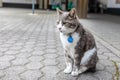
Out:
{"x": 93, "y": 6}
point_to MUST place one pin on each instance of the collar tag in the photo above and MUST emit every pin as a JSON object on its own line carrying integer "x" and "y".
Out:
{"x": 70, "y": 39}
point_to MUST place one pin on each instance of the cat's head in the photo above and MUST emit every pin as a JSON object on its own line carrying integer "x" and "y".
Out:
{"x": 67, "y": 21}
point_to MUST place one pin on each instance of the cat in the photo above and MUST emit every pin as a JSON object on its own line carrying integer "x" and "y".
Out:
{"x": 78, "y": 43}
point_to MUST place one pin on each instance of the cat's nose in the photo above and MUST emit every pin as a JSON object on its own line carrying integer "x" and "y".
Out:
{"x": 60, "y": 29}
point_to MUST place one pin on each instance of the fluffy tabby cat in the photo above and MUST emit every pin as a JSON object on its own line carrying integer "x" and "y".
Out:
{"x": 79, "y": 44}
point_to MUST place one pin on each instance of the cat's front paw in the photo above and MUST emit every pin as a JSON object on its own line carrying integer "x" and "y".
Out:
{"x": 75, "y": 73}
{"x": 67, "y": 70}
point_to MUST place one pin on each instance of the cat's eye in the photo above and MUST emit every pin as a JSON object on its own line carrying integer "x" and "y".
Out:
{"x": 63, "y": 23}
{"x": 72, "y": 26}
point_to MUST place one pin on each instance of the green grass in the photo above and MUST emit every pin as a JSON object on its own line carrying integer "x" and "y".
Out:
{"x": 117, "y": 73}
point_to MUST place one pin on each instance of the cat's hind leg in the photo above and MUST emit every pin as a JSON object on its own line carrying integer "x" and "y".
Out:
{"x": 79, "y": 71}
{"x": 75, "y": 72}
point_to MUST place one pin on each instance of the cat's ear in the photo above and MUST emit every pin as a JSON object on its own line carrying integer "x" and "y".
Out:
{"x": 73, "y": 13}
{"x": 59, "y": 12}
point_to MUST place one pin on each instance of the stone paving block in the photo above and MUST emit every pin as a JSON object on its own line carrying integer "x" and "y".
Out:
{"x": 2, "y": 73}
{"x": 100, "y": 67}
{"x": 47, "y": 78}
{"x": 51, "y": 51}
{"x": 109, "y": 55}
{"x": 118, "y": 65}
{"x": 61, "y": 65}
{"x": 41, "y": 40}
{"x": 31, "y": 75}
{"x": 61, "y": 54}
{"x": 50, "y": 56}
{"x": 15, "y": 47}
{"x": 18, "y": 44}
{"x": 11, "y": 77}
{"x": 100, "y": 53}
{"x": 1, "y": 53}
{"x": 4, "y": 64}
{"x": 103, "y": 75}
{"x": 102, "y": 57}
{"x": 106, "y": 62}
{"x": 110, "y": 69}
{"x": 29, "y": 46}
{"x": 34, "y": 65}
{"x": 7, "y": 58}
{"x": 40, "y": 44}
{"x": 63, "y": 76}
{"x": 26, "y": 50}
{"x": 36, "y": 58}
{"x": 38, "y": 52}
{"x": 39, "y": 48}
{"x": 23, "y": 55}
{"x": 20, "y": 61}
{"x": 104, "y": 50}
{"x": 50, "y": 62}
{"x": 87, "y": 76}
{"x": 60, "y": 50}
{"x": 15, "y": 69}
{"x": 50, "y": 70}
{"x": 12, "y": 52}
{"x": 116, "y": 59}
{"x": 50, "y": 47}
{"x": 117, "y": 46}
{"x": 32, "y": 42}
{"x": 10, "y": 42}
{"x": 1, "y": 42}
{"x": 3, "y": 49}
{"x": 51, "y": 41}
{"x": 6, "y": 45}
{"x": 51, "y": 44}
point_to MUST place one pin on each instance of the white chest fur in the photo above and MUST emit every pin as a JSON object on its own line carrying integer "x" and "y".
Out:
{"x": 70, "y": 47}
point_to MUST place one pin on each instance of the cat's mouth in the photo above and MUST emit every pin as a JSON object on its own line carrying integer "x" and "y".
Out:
{"x": 60, "y": 30}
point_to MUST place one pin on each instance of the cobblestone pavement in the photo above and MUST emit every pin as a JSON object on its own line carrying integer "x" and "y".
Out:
{"x": 30, "y": 49}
